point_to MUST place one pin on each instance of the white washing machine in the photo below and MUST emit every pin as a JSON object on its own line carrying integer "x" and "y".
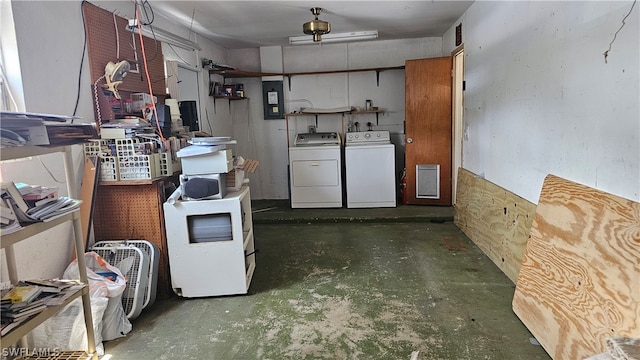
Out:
{"x": 315, "y": 171}
{"x": 370, "y": 169}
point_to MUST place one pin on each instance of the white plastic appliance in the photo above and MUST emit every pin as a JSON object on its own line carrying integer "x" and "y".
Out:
{"x": 134, "y": 264}
{"x": 370, "y": 169}
{"x": 315, "y": 171}
{"x": 152, "y": 252}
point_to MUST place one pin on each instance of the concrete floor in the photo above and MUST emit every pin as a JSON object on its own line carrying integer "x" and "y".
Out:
{"x": 399, "y": 283}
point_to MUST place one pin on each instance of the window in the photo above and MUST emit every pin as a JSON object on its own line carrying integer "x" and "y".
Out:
{"x": 11, "y": 95}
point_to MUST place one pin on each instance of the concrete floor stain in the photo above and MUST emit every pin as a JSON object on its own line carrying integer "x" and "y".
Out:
{"x": 346, "y": 291}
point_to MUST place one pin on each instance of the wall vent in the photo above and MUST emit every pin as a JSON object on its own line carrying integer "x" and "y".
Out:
{"x": 428, "y": 181}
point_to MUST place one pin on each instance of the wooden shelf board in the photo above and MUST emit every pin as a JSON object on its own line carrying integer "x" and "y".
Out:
{"x": 380, "y": 111}
{"x": 34, "y": 229}
{"x": 240, "y": 73}
{"x": 244, "y": 74}
{"x": 229, "y": 97}
{"x": 130, "y": 182}
{"x": 16, "y": 152}
{"x": 22, "y": 330}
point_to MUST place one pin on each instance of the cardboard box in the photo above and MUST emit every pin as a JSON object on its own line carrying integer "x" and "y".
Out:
{"x": 235, "y": 179}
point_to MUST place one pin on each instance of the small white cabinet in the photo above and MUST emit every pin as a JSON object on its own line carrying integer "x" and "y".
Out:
{"x": 10, "y": 239}
{"x": 214, "y": 255}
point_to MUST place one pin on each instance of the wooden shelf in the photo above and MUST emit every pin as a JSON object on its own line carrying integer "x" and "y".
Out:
{"x": 379, "y": 111}
{"x": 16, "y": 152}
{"x": 37, "y": 228}
{"x": 240, "y": 73}
{"x": 353, "y": 112}
{"x": 249, "y": 74}
{"x": 229, "y": 97}
{"x": 130, "y": 182}
{"x": 316, "y": 114}
{"x": 16, "y": 334}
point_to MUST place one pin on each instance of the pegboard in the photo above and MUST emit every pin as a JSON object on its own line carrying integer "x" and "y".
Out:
{"x": 134, "y": 212}
{"x": 105, "y": 31}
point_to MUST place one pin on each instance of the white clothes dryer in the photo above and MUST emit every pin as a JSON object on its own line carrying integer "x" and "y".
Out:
{"x": 315, "y": 171}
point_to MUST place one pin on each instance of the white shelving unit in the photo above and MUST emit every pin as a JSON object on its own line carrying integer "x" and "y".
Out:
{"x": 222, "y": 267}
{"x": 9, "y": 240}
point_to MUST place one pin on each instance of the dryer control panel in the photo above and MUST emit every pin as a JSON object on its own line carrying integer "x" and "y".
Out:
{"x": 317, "y": 139}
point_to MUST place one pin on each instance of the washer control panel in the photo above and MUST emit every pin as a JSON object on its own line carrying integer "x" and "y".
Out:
{"x": 368, "y": 137}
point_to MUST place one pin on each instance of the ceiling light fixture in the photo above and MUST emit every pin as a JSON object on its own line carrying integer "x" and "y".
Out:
{"x": 167, "y": 37}
{"x": 335, "y": 37}
{"x": 316, "y": 27}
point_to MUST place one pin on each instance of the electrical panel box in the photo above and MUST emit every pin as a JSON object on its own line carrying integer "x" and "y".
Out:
{"x": 273, "y": 100}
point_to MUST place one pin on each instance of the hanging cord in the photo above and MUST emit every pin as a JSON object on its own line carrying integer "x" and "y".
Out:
{"x": 50, "y": 173}
{"x": 84, "y": 49}
{"x": 146, "y": 70}
{"x": 115, "y": 27}
{"x": 95, "y": 98}
{"x": 147, "y": 23}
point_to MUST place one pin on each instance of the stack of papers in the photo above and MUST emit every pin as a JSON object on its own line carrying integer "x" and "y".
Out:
{"x": 16, "y": 207}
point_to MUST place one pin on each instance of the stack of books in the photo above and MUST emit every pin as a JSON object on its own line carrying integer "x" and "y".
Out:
{"x": 29, "y": 298}
{"x": 126, "y": 128}
{"x": 41, "y": 204}
{"x": 8, "y": 220}
{"x": 19, "y": 304}
{"x": 36, "y": 195}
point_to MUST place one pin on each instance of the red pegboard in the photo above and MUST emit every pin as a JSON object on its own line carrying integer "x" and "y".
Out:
{"x": 105, "y": 31}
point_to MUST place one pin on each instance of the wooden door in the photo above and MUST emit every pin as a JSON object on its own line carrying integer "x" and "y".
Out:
{"x": 428, "y": 131}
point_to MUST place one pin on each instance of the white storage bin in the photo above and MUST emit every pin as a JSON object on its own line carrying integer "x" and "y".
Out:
{"x": 212, "y": 163}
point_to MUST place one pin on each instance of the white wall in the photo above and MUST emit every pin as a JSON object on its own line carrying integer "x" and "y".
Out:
{"x": 50, "y": 39}
{"x": 266, "y": 140}
{"x": 50, "y": 53}
{"x": 540, "y": 98}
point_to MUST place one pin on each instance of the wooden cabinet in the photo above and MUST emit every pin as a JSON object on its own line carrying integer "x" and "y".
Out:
{"x": 428, "y": 85}
{"x": 10, "y": 239}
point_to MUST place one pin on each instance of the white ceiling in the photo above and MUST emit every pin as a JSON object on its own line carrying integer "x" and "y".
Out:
{"x": 245, "y": 24}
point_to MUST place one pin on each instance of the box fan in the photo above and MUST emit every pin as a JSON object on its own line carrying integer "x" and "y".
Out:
{"x": 138, "y": 262}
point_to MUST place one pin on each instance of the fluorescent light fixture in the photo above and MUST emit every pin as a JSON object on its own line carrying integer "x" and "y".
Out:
{"x": 167, "y": 37}
{"x": 335, "y": 37}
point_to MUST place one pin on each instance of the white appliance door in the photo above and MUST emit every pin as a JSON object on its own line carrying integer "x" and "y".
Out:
{"x": 370, "y": 175}
{"x": 315, "y": 172}
{"x": 315, "y": 176}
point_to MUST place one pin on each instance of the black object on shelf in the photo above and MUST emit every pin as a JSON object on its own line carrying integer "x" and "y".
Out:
{"x": 164, "y": 116}
{"x": 189, "y": 114}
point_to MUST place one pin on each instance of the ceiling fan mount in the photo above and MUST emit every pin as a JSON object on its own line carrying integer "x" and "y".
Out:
{"x": 316, "y": 27}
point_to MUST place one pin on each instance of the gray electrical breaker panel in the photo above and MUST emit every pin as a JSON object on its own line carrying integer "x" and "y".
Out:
{"x": 273, "y": 100}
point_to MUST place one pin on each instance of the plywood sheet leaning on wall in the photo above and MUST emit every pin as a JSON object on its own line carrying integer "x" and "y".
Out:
{"x": 580, "y": 278}
{"x": 495, "y": 219}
